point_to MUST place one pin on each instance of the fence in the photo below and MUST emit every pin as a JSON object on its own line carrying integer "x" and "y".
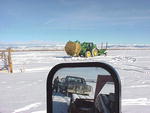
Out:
{"x": 6, "y": 61}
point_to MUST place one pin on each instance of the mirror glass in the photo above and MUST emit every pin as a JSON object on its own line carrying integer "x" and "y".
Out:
{"x": 83, "y": 90}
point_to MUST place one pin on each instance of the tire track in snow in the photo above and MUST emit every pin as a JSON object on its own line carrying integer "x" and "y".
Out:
{"x": 27, "y": 107}
{"x": 126, "y": 61}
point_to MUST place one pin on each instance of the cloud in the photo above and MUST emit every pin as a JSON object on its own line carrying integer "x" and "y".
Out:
{"x": 93, "y": 21}
{"x": 93, "y": 14}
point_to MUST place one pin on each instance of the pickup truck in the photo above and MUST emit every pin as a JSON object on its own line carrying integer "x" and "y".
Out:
{"x": 74, "y": 85}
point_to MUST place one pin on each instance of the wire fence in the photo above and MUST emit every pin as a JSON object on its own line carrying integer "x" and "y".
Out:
{"x": 5, "y": 61}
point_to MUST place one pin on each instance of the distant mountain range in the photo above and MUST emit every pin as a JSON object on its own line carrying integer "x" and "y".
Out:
{"x": 56, "y": 45}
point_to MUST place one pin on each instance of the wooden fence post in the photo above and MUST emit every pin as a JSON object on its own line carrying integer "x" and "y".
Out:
{"x": 10, "y": 61}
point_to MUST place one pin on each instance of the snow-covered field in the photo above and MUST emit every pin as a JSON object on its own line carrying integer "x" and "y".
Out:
{"x": 24, "y": 91}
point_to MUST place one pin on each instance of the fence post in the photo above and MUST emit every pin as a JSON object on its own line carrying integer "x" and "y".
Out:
{"x": 10, "y": 61}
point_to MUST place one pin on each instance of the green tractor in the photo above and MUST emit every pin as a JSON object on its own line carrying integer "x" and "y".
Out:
{"x": 85, "y": 49}
{"x": 88, "y": 49}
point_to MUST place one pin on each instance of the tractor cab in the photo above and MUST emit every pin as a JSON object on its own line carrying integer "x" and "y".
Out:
{"x": 88, "y": 49}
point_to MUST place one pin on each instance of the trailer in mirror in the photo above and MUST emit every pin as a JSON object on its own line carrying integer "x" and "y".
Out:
{"x": 83, "y": 88}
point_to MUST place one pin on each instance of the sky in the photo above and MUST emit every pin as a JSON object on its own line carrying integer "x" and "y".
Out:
{"x": 112, "y": 21}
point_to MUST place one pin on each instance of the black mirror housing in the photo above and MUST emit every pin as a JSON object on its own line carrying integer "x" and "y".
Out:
{"x": 114, "y": 77}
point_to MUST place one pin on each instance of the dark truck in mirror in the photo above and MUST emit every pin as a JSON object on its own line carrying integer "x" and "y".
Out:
{"x": 74, "y": 85}
{"x": 101, "y": 103}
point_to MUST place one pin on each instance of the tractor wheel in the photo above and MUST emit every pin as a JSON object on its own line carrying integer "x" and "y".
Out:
{"x": 88, "y": 54}
{"x": 95, "y": 52}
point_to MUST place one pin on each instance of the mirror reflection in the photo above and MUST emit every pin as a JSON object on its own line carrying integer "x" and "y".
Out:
{"x": 83, "y": 90}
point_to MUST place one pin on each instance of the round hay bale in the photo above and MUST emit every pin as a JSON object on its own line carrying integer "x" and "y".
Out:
{"x": 73, "y": 48}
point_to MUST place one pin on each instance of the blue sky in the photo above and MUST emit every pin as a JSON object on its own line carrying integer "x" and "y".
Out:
{"x": 112, "y": 21}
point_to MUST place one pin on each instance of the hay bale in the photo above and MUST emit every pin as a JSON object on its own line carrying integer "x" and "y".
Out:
{"x": 73, "y": 48}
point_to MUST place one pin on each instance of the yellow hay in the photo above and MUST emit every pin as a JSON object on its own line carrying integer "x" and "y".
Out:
{"x": 72, "y": 48}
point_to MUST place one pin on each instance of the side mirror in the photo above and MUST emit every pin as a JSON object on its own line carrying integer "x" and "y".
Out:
{"x": 88, "y": 87}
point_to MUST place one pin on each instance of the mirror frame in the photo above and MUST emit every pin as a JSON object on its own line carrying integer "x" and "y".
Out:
{"x": 109, "y": 68}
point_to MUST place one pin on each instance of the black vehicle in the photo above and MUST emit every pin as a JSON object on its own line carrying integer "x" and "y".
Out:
{"x": 76, "y": 85}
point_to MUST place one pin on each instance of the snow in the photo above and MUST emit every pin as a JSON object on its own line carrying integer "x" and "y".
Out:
{"x": 138, "y": 101}
{"x": 24, "y": 91}
{"x": 34, "y": 105}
